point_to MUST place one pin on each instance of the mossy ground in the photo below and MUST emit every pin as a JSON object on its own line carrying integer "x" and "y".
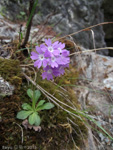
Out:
{"x": 10, "y": 70}
{"x": 57, "y": 132}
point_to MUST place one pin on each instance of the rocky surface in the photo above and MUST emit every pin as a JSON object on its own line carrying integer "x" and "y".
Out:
{"x": 12, "y": 8}
{"x": 95, "y": 92}
{"x": 66, "y": 16}
{"x": 76, "y": 15}
{"x": 95, "y": 85}
{"x": 94, "y": 88}
{"x": 9, "y": 32}
{"x": 6, "y": 89}
{"x": 108, "y": 16}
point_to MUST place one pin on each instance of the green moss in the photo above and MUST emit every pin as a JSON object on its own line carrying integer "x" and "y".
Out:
{"x": 56, "y": 88}
{"x": 57, "y": 116}
{"x": 56, "y": 132}
{"x": 10, "y": 70}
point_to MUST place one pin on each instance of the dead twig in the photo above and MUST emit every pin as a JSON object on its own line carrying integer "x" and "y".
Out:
{"x": 21, "y": 130}
{"x": 86, "y": 29}
{"x": 52, "y": 98}
{"x": 91, "y": 50}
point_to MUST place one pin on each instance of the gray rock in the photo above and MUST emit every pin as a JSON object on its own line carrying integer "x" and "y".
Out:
{"x": 8, "y": 31}
{"x": 6, "y": 89}
{"x": 97, "y": 69}
{"x": 72, "y": 16}
{"x": 95, "y": 91}
{"x": 101, "y": 136}
{"x": 107, "y": 7}
{"x": 91, "y": 142}
{"x": 108, "y": 16}
{"x": 12, "y": 8}
{"x": 77, "y": 15}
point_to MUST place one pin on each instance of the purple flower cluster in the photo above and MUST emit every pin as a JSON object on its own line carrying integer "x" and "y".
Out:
{"x": 52, "y": 57}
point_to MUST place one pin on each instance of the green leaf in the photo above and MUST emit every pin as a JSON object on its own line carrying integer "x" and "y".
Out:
{"x": 23, "y": 114}
{"x": 46, "y": 106}
{"x": 21, "y": 35}
{"x": 32, "y": 12}
{"x": 26, "y": 106}
{"x": 22, "y": 13}
{"x": 37, "y": 94}
{"x": 41, "y": 102}
{"x": 34, "y": 119}
{"x": 37, "y": 121}
{"x": 30, "y": 93}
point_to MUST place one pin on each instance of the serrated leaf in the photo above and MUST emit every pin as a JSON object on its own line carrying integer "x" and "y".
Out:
{"x": 34, "y": 119}
{"x": 23, "y": 114}
{"x": 26, "y": 106}
{"x": 30, "y": 93}
{"x": 41, "y": 102}
{"x": 46, "y": 106}
{"x": 37, "y": 94}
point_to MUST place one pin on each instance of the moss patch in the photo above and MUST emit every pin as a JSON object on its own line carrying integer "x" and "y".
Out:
{"x": 57, "y": 132}
{"x": 10, "y": 70}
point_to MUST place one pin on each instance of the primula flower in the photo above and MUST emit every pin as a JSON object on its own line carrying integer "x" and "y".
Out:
{"x": 52, "y": 49}
{"x": 61, "y": 70}
{"x": 64, "y": 59}
{"x": 53, "y": 62}
{"x": 48, "y": 73}
{"x": 52, "y": 57}
{"x": 39, "y": 57}
{"x": 61, "y": 47}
